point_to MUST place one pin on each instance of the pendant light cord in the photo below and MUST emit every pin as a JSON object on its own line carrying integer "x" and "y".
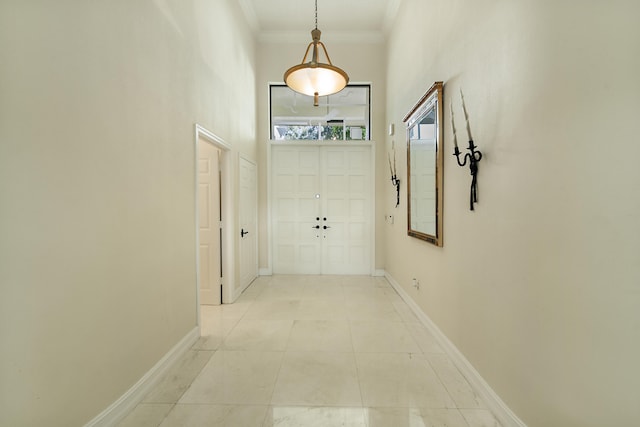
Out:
{"x": 316, "y": 14}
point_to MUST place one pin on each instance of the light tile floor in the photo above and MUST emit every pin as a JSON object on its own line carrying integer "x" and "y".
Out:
{"x": 313, "y": 351}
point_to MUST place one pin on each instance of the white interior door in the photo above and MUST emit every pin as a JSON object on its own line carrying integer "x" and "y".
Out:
{"x": 248, "y": 223}
{"x": 209, "y": 224}
{"x": 321, "y": 209}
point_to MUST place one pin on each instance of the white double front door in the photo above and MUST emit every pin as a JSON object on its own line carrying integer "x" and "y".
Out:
{"x": 322, "y": 209}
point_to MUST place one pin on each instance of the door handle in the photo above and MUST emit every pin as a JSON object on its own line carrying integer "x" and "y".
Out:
{"x": 317, "y": 227}
{"x": 326, "y": 226}
{"x": 242, "y": 232}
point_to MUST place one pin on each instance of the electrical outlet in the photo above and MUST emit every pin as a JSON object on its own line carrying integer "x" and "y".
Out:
{"x": 390, "y": 219}
{"x": 416, "y": 283}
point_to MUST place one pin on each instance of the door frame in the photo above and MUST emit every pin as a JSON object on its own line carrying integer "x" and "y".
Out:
{"x": 202, "y": 135}
{"x": 372, "y": 207}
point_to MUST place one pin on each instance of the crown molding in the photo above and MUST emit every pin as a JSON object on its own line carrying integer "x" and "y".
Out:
{"x": 341, "y": 36}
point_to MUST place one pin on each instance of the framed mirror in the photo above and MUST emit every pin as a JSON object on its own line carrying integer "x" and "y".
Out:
{"x": 425, "y": 166}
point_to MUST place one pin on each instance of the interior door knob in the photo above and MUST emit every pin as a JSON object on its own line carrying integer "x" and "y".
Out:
{"x": 326, "y": 226}
{"x": 317, "y": 227}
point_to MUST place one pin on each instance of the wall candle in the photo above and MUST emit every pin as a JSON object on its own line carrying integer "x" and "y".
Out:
{"x": 466, "y": 116}
{"x": 393, "y": 147}
{"x": 453, "y": 126}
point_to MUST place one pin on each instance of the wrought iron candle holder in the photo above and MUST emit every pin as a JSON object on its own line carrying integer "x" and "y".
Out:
{"x": 396, "y": 182}
{"x": 473, "y": 156}
{"x": 394, "y": 177}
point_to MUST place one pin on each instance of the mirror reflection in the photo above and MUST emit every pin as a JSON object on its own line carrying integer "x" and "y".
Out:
{"x": 425, "y": 161}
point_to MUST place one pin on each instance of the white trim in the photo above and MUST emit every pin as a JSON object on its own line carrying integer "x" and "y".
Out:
{"x": 372, "y": 208}
{"x": 269, "y": 231}
{"x": 496, "y": 405}
{"x": 266, "y": 234}
{"x": 320, "y": 143}
{"x": 235, "y": 293}
{"x": 228, "y": 220}
{"x": 119, "y": 409}
{"x": 378, "y": 273}
{"x": 212, "y": 137}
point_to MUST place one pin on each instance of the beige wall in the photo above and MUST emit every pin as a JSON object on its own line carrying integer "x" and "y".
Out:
{"x": 540, "y": 286}
{"x": 98, "y": 102}
{"x": 365, "y": 63}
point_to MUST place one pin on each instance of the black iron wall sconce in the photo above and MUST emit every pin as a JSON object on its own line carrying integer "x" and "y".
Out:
{"x": 394, "y": 177}
{"x": 473, "y": 156}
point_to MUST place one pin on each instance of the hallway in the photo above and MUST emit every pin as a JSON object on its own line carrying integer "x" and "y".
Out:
{"x": 313, "y": 351}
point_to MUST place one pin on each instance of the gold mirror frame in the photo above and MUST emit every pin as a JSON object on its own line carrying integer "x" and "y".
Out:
{"x": 425, "y": 171}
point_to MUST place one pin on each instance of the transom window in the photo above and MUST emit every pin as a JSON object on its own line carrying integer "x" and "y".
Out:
{"x": 343, "y": 116}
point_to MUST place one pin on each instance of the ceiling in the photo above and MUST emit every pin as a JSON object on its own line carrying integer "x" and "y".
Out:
{"x": 339, "y": 19}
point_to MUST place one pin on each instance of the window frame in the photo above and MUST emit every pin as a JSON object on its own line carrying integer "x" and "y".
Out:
{"x": 366, "y": 136}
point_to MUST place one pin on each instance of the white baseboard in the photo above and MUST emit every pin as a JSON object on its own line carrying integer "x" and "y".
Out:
{"x": 119, "y": 409}
{"x": 378, "y": 273}
{"x": 237, "y": 292}
{"x": 502, "y": 412}
{"x": 233, "y": 297}
{"x": 265, "y": 272}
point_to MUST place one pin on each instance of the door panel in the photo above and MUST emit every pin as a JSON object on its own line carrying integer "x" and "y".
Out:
{"x": 209, "y": 223}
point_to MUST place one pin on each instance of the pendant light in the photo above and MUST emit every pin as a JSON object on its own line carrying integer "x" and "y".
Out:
{"x": 315, "y": 78}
